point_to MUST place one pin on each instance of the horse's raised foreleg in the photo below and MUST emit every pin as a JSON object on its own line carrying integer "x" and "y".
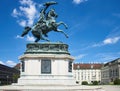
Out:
{"x": 59, "y": 23}
{"x": 58, "y": 30}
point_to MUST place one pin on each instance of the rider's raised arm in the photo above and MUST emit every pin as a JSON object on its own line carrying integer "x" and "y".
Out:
{"x": 47, "y": 4}
{"x": 43, "y": 11}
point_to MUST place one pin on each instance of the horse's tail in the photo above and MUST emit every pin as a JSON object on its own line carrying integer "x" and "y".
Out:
{"x": 27, "y": 29}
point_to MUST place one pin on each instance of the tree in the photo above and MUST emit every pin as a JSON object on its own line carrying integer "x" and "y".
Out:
{"x": 95, "y": 82}
{"x": 15, "y": 77}
{"x": 117, "y": 81}
{"x": 84, "y": 83}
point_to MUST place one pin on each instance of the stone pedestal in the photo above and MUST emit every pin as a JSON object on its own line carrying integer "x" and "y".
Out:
{"x": 46, "y": 64}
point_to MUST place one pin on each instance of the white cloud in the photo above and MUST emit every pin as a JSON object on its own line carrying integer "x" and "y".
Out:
{"x": 79, "y": 56}
{"x": 16, "y": 13}
{"x": 10, "y": 63}
{"x": 79, "y": 1}
{"x": 1, "y": 62}
{"x": 27, "y": 11}
{"x": 24, "y": 2}
{"x": 30, "y": 38}
{"x": 107, "y": 41}
{"x": 22, "y": 23}
{"x": 19, "y": 37}
{"x": 97, "y": 44}
{"x": 111, "y": 40}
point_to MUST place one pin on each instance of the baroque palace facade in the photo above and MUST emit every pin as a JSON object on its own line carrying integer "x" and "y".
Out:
{"x": 87, "y": 72}
{"x": 103, "y": 73}
{"x": 110, "y": 71}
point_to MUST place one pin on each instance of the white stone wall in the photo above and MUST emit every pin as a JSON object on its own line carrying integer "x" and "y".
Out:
{"x": 59, "y": 70}
{"x": 33, "y": 67}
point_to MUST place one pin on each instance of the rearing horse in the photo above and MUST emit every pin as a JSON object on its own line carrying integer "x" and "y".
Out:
{"x": 39, "y": 30}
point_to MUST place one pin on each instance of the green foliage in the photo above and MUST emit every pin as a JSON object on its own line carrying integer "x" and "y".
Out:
{"x": 111, "y": 83}
{"x": 15, "y": 77}
{"x": 95, "y": 82}
{"x": 117, "y": 82}
{"x": 84, "y": 83}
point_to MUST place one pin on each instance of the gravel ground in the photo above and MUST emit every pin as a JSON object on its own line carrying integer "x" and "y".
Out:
{"x": 111, "y": 87}
{"x": 50, "y": 88}
{"x": 61, "y": 88}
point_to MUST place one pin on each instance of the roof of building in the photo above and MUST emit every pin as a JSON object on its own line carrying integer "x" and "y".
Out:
{"x": 116, "y": 61}
{"x": 7, "y": 69}
{"x": 87, "y": 66}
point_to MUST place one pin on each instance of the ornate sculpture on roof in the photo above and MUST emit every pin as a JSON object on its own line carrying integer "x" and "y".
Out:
{"x": 46, "y": 23}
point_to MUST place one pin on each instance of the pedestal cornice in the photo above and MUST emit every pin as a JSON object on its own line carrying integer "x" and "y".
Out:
{"x": 47, "y": 48}
{"x": 51, "y": 56}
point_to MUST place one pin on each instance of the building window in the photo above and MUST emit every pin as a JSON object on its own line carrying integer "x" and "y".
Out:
{"x": 70, "y": 66}
{"x": 46, "y": 66}
{"x": 81, "y": 77}
{"x": 116, "y": 73}
{"x": 110, "y": 73}
{"x": 23, "y": 66}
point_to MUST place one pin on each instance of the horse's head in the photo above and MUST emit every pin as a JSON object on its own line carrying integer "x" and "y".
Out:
{"x": 53, "y": 13}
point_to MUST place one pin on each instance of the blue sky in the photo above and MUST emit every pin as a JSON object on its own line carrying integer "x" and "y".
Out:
{"x": 93, "y": 28}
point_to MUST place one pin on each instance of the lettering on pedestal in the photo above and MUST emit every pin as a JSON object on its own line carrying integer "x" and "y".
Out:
{"x": 46, "y": 66}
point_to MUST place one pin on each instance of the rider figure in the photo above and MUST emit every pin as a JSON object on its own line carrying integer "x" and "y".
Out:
{"x": 42, "y": 20}
{"x": 45, "y": 18}
{"x": 50, "y": 17}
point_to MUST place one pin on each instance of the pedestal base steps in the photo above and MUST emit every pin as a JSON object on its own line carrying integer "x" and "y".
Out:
{"x": 50, "y": 88}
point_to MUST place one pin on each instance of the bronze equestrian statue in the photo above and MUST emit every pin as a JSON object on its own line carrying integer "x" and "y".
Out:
{"x": 46, "y": 23}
